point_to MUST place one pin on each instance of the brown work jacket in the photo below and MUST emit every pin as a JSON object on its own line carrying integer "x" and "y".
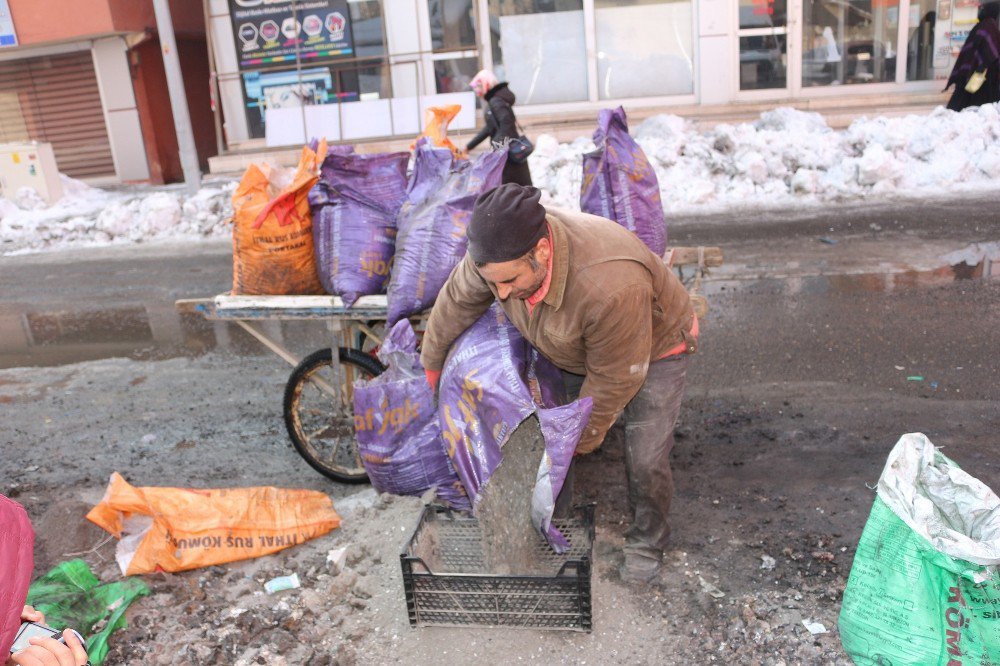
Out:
{"x": 612, "y": 308}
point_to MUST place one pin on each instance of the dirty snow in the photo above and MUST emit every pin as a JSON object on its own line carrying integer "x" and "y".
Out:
{"x": 91, "y": 216}
{"x": 786, "y": 158}
{"x": 790, "y": 158}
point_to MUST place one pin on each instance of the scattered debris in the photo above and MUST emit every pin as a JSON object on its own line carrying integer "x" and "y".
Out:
{"x": 815, "y": 628}
{"x": 337, "y": 558}
{"x": 915, "y": 378}
{"x": 712, "y": 590}
{"x": 282, "y": 583}
{"x": 767, "y": 562}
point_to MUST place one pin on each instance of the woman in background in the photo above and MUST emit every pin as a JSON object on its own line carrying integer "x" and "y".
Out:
{"x": 981, "y": 52}
{"x": 501, "y": 124}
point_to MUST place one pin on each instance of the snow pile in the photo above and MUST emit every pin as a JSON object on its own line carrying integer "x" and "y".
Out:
{"x": 91, "y": 216}
{"x": 789, "y": 157}
{"x": 786, "y": 158}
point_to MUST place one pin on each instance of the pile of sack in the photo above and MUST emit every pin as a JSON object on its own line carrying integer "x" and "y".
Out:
{"x": 352, "y": 224}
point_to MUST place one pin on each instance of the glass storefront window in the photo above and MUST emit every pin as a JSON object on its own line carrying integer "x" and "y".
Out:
{"x": 453, "y": 25}
{"x": 763, "y": 36}
{"x": 454, "y": 74}
{"x": 644, "y": 48}
{"x": 366, "y": 26}
{"x": 763, "y": 14}
{"x": 540, "y": 49}
{"x": 762, "y": 62}
{"x": 848, "y": 42}
{"x": 920, "y": 44}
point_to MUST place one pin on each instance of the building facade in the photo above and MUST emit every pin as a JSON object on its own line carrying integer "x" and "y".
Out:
{"x": 87, "y": 76}
{"x": 356, "y": 69}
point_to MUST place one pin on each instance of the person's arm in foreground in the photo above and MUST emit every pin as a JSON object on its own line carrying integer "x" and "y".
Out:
{"x": 48, "y": 651}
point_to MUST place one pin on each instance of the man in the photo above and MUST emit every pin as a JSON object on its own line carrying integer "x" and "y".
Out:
{"x": 594, "y": 300}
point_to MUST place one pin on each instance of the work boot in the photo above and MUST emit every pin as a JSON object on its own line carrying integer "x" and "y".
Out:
{"x": 639, "y": 568}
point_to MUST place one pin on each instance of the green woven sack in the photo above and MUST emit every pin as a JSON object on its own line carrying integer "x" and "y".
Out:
{"x": 924, "y": 588}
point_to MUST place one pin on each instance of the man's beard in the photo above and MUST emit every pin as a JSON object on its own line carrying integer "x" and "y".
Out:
{"x": 539, "y": 273}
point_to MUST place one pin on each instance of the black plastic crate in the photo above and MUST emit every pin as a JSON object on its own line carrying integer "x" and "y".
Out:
{"x": 457, "y": 592}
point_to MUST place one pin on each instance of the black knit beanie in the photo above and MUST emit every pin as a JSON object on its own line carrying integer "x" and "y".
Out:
{"x": 507, "y": 222}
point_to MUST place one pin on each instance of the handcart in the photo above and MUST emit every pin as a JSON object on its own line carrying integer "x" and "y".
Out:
{"x": 318, "y": 401}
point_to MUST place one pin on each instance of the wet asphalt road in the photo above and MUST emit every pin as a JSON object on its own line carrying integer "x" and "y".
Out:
{"x": 841, "y": 294}
{"x": 831, "y": 332}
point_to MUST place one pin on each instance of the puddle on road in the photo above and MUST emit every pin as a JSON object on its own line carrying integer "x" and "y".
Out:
{"x": 860, "y": 283}
{"x": 141, "y": 332}
{"x": 157, "y": 331}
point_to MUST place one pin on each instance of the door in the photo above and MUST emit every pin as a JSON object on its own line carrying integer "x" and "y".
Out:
{"x": 765, "y": 54}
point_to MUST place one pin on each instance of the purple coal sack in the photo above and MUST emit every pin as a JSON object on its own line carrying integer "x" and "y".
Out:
{"x": 399, "y": 438}
{"x": 620, "y": 184}
{"x": 492, "y": 381}
{"x": 432, "y": 224}
{"x": 354, "y": 207}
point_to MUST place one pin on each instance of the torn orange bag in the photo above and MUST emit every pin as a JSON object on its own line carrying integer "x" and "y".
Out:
{"x": 436, "y": 121}
{"x": 272, "y": 229}
{"x": 175, "y": 529}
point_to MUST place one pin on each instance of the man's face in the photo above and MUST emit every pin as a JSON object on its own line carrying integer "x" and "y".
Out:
{"x": 522, "y": 277}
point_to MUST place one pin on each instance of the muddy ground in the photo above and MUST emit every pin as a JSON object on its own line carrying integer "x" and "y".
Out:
{"x": 799, "y": 392}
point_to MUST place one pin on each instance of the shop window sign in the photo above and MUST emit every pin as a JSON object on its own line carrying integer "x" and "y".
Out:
{"x": 763, "y": 7}
{"x": 7, "y": 35}
{"x": 275, "y": 33}
{"x": 287, "y": 52}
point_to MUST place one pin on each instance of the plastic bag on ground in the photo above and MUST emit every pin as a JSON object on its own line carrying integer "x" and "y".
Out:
{"x": 492, "y": 381}
{"x": 432, "y": 224}
{"x": 924, "y": 587}
{"x": 620, "y": 184}
{"x": 71, "y": 596}
{"x": 399, "y": 437}
{"x": 436, "y": 121}
{"x": 354, "y": 207}
{"x": 175, "y": 529}
{"x": 272, "y": 228}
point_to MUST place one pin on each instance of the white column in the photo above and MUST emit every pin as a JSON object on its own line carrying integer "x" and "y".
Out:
{"x": 178, "y": 96}
{"x": 718, "y": 57}
{"x": 121, "y": 116}
{"x": 403, "y": 30}
{"x": 234, "y": 114}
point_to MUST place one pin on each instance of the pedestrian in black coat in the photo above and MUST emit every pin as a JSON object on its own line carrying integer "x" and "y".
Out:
{"x": 981, "y": 52}
{"x": 501, "y": 124}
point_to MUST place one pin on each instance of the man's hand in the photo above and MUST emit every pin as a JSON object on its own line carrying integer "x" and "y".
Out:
{"x": 29, "y": 614}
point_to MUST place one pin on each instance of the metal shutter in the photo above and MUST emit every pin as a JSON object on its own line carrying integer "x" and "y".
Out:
{"x": 56, "y": 99}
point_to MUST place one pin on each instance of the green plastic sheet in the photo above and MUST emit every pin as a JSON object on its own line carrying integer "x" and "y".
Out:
{"x": 70, "y": 595}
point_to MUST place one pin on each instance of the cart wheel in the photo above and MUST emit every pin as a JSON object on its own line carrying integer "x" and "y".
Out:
{"x": 321, "y": 432}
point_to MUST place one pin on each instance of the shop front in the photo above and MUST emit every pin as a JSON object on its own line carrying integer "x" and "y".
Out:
{"x": 364, "y": 69}
{"x": 803, "y": 48}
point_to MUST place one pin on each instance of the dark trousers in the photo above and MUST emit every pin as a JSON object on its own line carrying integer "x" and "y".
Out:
{"x": 649, "y": 420}
{"x": 517, "y": 173}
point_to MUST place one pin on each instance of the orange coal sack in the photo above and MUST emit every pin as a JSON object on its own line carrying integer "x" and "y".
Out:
{"x": 175, "y": 529}
{"x": 272, "y": 229}
{"x": 436, "y": 121}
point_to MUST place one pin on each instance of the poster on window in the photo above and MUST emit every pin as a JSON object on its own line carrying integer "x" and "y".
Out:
{"x": 270, "y": 32}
